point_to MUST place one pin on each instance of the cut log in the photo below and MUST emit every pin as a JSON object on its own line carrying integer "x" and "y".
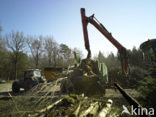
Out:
{"x": 49, "y": 107}
{"x": 93, "y": 112}
{"x": 76, "y": 112}
{"x": 104, "y": 111}
{"x": 85, "y": 112}
{"x": 38, "y": 113}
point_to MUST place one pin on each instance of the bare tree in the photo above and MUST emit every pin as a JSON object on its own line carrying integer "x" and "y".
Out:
{"x": 55, "y": 53}
{"x": 0, "y": 29}
{"x": 49, "y": 48}
{"x": 66, "y": 53}
{"x": 15, "y": 41}
{"x": 36, "y": 47}
{"x": 77, "y": 50}
{"x": 52, "y": 51}
{"x": 1, "y": 41}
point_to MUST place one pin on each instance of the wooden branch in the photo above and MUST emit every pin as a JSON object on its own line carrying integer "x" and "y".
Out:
{"x": 13, "y": 102}
{"x": 49, "y": 107}
{"x": 85, "y": 112}
{"x": 40, "y": 112}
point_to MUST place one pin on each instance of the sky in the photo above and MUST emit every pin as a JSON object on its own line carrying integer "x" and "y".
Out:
{"x": 131, "y": 22}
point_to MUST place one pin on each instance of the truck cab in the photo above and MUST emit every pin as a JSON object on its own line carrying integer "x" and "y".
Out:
{"x": 31, "y": 78}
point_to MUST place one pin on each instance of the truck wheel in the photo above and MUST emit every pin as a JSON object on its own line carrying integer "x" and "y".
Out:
{"x": 15, "y": 87}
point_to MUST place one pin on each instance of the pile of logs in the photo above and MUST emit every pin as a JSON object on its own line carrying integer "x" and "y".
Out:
{"x": 75, "y": 106}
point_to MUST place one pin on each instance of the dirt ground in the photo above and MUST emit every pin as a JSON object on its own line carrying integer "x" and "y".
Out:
{"x": 5, "y": 89}
{"x": 110, "y": 93}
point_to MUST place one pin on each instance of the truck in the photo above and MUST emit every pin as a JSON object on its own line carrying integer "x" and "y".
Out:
{"x": 31, "y": 78}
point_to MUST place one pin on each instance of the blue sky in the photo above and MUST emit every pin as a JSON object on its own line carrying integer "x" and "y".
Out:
{"x": 131, "y": 22}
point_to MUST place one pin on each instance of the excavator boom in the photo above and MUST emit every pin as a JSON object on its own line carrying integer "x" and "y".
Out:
{"x": 108, "y": 35}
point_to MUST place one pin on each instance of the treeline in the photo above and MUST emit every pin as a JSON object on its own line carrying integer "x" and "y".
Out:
{"x": 137, "y": 68}
{"x": 139, "y": 77}
{"x": 135, "y": 59}
{"x": 19, "y": 52}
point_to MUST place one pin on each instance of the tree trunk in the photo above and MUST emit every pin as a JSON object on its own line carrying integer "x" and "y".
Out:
{"x": 16, "y": 66}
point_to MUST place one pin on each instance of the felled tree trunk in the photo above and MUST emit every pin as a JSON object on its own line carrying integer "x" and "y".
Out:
{"x": 106, "y": 109}
{"x": 86, "y": 112}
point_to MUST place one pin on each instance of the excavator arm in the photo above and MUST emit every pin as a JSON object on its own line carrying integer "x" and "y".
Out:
{"x": 108, "y": 35}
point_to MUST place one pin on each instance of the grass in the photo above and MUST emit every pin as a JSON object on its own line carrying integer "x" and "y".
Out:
{"x": 6, "y": 108}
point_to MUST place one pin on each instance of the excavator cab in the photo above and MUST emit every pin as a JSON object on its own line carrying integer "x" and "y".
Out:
{"x": 149, "y": 50}
{"x": 149, "y": 54}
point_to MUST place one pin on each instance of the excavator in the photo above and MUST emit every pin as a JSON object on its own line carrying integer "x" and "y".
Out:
{"x": 121, "y": 49}
{"x": 92, "y": 72}
{"x": 88, "y": 76}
